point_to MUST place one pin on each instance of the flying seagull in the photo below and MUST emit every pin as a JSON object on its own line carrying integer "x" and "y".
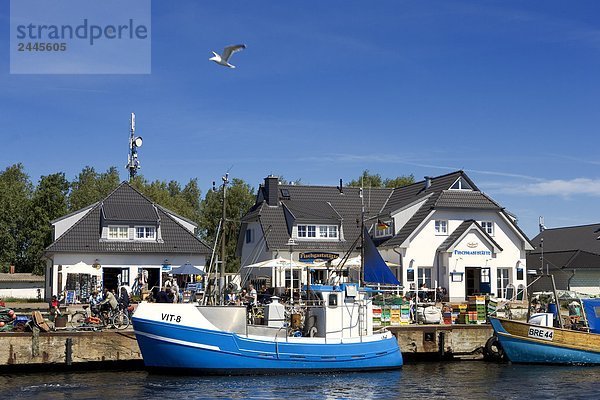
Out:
{"x": 223, "y": 59}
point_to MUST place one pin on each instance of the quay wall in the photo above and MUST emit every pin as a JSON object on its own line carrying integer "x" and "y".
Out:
{"x": 84, "y": 349}
{"x": 18, "y": 350}
{"x": 448, "y": 341}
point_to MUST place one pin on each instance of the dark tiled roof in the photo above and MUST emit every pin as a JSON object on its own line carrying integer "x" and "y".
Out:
{"x": 570, "y": 238}
{"x": 324, "y": 202}
{"x": 412, "y": 224}
{"x": 312, "y": 211}
{"x": 462, "y": 228}
{"x": 408, "y": 194}
{"x": 127, "y": 204}
{"x": 465, "y": 199}
{"x": 85, "y": 235}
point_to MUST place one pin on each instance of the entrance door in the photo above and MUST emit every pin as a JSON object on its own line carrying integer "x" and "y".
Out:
{"x": 473, "y": 280}
{"x": 153, "y": 277}
{"x": 110, "y": 278}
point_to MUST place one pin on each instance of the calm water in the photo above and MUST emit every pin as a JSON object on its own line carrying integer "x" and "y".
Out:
{"x": 465, "y": 380}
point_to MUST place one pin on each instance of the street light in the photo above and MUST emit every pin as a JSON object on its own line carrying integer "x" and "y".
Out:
{"x": 291, "y": 243}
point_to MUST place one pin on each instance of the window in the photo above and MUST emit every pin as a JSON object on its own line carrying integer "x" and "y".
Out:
{"x": 503, "y": 281}
{"x": 425, "y": 277}
{"x": 118, "y": 232}
{"x": 441, "y": 227}
{"x": 249, "y": 235}
{"x": 488, "y": 227}
{"x": 145, "y": 232}
{"x": 384, "y": 229}
{"x": 324, "y": 231}
{"x": 461, "y": 184}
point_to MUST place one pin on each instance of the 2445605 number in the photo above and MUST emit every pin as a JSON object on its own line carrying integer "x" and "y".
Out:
{"x": 35, "y": 46}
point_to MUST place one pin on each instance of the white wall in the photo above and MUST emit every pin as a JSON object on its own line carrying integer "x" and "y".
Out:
{"x": 134, "y": 262}
{"x": 424, "y": 242}
{"x": 64, "y": 224}
{"x": 255, "y": 251}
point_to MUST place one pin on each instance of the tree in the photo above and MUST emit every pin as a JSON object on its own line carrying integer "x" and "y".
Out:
{"x": 240, "y": 197}
{"x": 15, "y": 197}
{"x": 48, "y": 203}
{"x": 90, "y": 187}
{"x": 374, "y": 180}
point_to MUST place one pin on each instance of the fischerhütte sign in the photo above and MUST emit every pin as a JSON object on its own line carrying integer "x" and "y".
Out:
{"x": 472, "y": 253}
{"x": 317, "y": 256}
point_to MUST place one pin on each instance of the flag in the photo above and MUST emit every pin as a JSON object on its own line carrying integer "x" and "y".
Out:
{"x": 382, "y": 226}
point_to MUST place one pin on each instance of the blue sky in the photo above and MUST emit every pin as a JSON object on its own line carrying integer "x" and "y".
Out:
{"x": 506, "y": 90}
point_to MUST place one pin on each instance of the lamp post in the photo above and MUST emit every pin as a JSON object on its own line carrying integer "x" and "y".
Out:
{"x": 291, "y": 243}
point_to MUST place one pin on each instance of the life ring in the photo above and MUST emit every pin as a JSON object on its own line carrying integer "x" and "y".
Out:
{"x": 493, "y": 349}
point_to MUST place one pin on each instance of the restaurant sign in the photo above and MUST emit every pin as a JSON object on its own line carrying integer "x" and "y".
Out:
{"x": 317, "y": 256}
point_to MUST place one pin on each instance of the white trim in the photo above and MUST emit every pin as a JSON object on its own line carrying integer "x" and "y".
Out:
{"x": 512, "y": 224}
{"x": 177, "y": 341}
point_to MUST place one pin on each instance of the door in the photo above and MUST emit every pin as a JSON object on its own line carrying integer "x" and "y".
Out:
{"x": 485, "y": 285}
{"x": 472, "y": 280}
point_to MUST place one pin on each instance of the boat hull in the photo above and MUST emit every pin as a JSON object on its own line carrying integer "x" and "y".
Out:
{"x": 168, "y": 347}
{"x": 523, "y": 343}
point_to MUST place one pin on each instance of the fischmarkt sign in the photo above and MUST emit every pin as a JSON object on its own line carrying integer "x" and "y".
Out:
{"x": 80, "y": 37}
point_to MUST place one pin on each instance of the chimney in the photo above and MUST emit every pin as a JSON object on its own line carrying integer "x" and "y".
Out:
{"x": 272, "y": 190}
{"x": 427, "y": 182}
{"x": 11, "y": 269}
{"x": 341, "y": 187}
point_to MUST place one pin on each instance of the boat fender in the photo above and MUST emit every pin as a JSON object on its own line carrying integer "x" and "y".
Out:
{"x": 312, "y": 332}
{"x": 493, "y": 349}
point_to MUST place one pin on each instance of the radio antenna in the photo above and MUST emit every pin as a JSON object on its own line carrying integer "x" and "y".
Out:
{"x": 133, "y": 164}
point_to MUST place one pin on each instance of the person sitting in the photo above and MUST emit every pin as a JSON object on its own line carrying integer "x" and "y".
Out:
{"x": 54, "y": 306}
{"x": 94, "y": 301}
{"x": 163, "y": 297}
{"x": 110, "y": 302}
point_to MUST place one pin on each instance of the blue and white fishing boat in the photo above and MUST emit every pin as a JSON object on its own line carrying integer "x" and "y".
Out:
{"x": 330, "y": 330}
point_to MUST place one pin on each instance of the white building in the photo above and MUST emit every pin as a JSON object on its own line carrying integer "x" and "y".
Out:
{"x": 121, "y": 240}
{"x": 443, "y": 232}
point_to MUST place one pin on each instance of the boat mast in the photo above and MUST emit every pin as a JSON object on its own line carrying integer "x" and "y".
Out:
{"x": 223, "y": 244}
{"x": 362, "y": 238}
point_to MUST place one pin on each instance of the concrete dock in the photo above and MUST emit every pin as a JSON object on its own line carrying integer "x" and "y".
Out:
{"x": 113, "y": 349}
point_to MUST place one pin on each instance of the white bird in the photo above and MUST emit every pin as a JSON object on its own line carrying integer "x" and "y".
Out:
{"x": 223, "y": 59}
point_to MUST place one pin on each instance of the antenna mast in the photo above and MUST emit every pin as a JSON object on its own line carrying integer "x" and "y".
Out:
{"x": 133, "y": 164}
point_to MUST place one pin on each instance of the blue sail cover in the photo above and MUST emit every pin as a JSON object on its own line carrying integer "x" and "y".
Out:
{"x": 375, "y": 269}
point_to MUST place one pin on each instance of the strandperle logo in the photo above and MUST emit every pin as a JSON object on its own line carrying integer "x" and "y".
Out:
{"x": 80, "y": 37}
{"x": 85, "y": 31}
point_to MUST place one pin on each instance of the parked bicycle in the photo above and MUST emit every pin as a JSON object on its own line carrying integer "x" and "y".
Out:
{"x": 118, "y": 319}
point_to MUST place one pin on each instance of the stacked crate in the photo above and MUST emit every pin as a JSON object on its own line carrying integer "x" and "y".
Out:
{"x": 395, "y": 315}
{"x": 447, "y": 314}
{"x": 476, "y": 309}
{"x": 462, "y": 317}
{"x": 385, "y": 316}
{"x": 405, "y": 314}
{"x": 376, "y": 315}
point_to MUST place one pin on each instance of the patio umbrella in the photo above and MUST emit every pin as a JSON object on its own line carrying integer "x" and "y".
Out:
{"x": 187, "y": 269}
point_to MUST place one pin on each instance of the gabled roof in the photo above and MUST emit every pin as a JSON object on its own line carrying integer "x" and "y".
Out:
{"x": 318, "y": 204}
{"x": 407, "y": 194}
{"x": 462, "y": 230}
{"x": 570, "y": 238}
{"x": 440, "y": 196}
{"x": 85, "y": 235}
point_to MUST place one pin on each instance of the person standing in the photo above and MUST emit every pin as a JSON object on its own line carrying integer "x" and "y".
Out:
{"x": 252, "y": 295}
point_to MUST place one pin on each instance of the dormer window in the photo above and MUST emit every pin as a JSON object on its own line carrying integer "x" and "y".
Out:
{"x": 384, "y": 228}
{"x": 118, "y": 232}
{"x": 461, "y": 184}
{"x": 145, "y": 232}
{"x": 318, "y": 232}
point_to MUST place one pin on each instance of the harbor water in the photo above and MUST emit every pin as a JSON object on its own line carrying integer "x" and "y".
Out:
{"x": 458, "y": 380}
